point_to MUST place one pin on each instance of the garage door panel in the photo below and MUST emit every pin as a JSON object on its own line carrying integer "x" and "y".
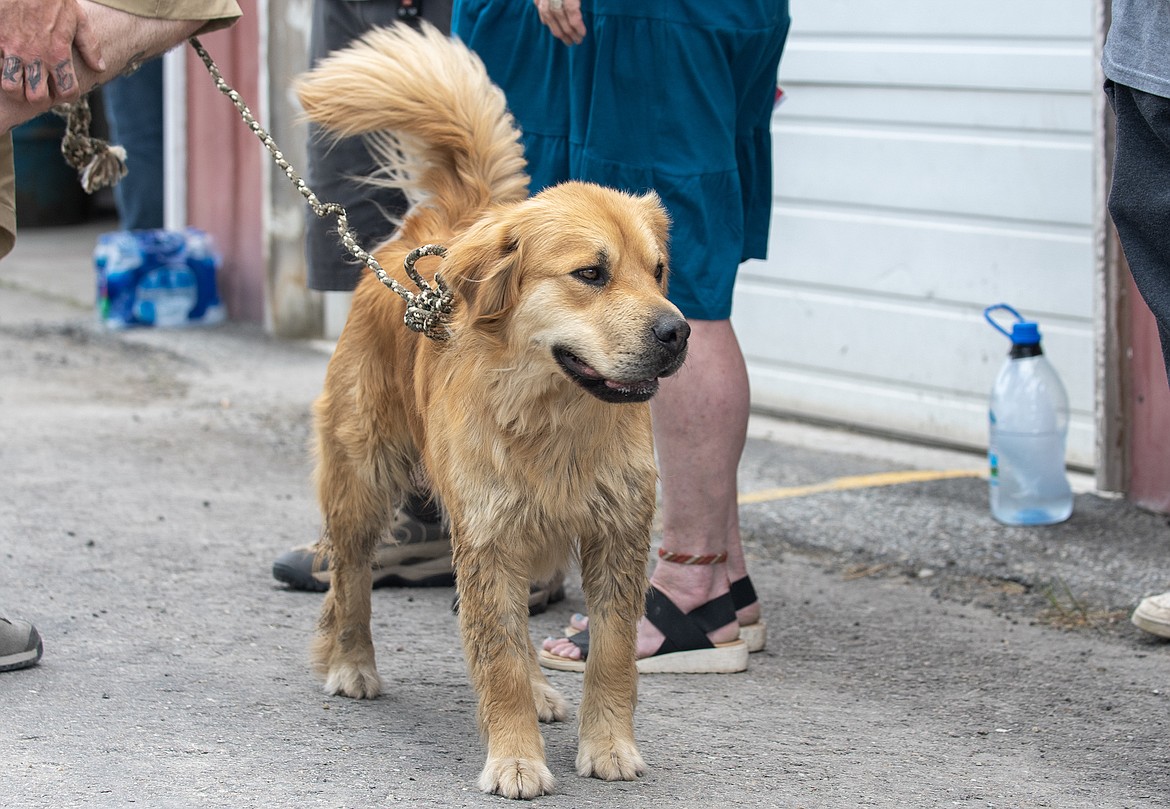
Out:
{"x": 911, "y": 413}
{"x": 958, "y": 174}
{"x": 1038, "y": 270}
{"x": 1028, "y": 66}
{"x": 941, "y": 349}
{"x": 952, "y": 108}
{"x": 1054, "y": 19}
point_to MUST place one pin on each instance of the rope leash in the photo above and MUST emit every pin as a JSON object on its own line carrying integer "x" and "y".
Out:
{"x": 428, "y": 311}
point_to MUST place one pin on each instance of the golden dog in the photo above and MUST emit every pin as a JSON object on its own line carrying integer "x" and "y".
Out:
{"x": 529, "y": 421}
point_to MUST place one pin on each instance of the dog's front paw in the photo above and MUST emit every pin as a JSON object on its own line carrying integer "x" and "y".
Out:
{"x": 550, "y": 705}
{"x": 524, "y": 778}
{"x": 611, "y": 761}
{"x": 357, "y": 681}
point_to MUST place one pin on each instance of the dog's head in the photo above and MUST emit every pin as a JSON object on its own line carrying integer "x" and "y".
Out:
{"x": 574, "y": 278}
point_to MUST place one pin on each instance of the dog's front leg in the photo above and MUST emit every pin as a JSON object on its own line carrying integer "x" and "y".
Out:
{"x": 613, "y": 577}
{"x": 493, "y": 616}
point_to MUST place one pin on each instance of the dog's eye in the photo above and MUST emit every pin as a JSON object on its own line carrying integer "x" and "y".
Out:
{"x": 659, "y": 272}
{"x": 594, "y": 276}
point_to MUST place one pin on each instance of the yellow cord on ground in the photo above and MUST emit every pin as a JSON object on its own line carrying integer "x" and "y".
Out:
{"x": 860, "y": 482}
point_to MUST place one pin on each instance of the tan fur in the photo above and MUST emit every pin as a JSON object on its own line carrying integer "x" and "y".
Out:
{"x": 531, "y": 468}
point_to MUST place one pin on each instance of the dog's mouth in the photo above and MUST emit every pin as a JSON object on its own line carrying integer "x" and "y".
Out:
{"x": 608, "y": 390}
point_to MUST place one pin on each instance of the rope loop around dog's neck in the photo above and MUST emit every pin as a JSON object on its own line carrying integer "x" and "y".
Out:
{"x": 429, "y": 310}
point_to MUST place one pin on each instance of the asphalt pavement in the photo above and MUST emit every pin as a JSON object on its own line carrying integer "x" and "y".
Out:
{"x": 919, "y": 653}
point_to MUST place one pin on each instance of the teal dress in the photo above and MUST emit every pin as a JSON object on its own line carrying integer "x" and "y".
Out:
{"x": 674, "y": 96}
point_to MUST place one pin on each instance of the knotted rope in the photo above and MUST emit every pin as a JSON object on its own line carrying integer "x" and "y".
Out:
{"x": 98, "y": 163}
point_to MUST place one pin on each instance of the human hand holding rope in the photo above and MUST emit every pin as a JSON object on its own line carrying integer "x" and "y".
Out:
{"x": 37, "y": 41}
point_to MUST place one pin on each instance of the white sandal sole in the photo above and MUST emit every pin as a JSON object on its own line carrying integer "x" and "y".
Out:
{"x": 754, "y": 635}
{"x": 724, "y": 658}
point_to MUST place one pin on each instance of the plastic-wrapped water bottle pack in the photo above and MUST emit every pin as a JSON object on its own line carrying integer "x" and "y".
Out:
{"x": 163, "y": 278}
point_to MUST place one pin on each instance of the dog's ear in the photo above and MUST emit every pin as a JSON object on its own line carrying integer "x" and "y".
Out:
{"x": 657, "y": 217}
{"x": 481, "y": 269}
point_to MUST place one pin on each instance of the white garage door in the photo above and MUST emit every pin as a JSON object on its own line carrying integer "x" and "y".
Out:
{"x": 931, "y": 159}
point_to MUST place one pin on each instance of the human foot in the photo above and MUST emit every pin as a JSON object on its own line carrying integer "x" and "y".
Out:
{"x": 752, "y": 629}
{"x": 702, "y": 640}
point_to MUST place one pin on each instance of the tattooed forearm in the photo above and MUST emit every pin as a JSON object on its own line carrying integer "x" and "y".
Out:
{"x": 32, "y": 74}
{"x": 12, "y": 69}
{"x": 63, "y": 73}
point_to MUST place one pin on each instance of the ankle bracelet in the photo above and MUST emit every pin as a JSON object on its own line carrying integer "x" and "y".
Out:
{"x": 692, "y": 559}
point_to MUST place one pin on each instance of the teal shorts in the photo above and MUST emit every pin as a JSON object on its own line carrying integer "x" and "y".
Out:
{"x": 674, "y": 96}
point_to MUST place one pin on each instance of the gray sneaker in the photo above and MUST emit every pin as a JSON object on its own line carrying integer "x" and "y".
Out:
{"x": 20, "y": 644}
{"x": 543, "y": 593}
{"x": 419, "y": 555}
{"x": 540, "y": 594}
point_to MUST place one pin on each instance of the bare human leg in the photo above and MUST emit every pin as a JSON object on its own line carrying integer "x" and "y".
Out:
{"x": 700, "y": 426}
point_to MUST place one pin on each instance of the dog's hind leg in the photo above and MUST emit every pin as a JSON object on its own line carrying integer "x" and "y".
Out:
{"x": 344, "y": 650}
{"x": 356, "y": 503}
{"x": 613, "y": 577}
{"x": 493, "y": 617}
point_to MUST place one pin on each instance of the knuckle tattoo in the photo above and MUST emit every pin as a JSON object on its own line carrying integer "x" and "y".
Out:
{"x": 64, "y": 76}
{"x": 33, "y": 75}
{"x": 13, "y": 67}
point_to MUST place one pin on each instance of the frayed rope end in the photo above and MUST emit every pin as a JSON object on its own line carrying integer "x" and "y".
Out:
{"x": 106, "y": 167}
{"x": 98, "y": 163}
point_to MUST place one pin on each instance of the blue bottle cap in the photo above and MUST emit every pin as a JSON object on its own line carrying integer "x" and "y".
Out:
{"x": 1025, "y": 333}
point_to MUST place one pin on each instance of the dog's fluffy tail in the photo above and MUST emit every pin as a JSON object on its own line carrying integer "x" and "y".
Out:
{"x": 433, "y": 119}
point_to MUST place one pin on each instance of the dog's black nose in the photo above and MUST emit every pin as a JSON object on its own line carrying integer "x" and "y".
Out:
{"x": 672, "y": 332}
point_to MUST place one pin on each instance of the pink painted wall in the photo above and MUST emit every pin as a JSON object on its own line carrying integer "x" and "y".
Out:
{"x": 1149, "y": 417}
{"x": 224, "y": 183}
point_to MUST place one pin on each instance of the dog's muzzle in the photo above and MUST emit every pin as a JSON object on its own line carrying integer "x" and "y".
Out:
{"x": 663, "y": 354}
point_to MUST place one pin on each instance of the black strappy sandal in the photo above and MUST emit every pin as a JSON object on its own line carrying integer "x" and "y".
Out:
{"x": 744, "y": 595}
{"x": 686, "y": 650}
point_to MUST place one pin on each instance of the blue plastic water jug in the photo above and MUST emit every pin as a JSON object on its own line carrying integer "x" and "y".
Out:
{"x": 1029, "y": 430}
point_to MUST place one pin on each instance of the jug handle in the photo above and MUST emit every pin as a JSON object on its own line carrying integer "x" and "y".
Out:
{"x": 990, "y": 309}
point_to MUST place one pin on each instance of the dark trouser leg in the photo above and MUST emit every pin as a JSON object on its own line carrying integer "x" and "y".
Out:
{"x": 134, "y": 113}
{"x": 332, "y": 166}
{"x": 1139, "y": 199}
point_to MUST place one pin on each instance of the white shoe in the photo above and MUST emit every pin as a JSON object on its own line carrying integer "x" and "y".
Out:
{"x": 1153, "y": 615}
